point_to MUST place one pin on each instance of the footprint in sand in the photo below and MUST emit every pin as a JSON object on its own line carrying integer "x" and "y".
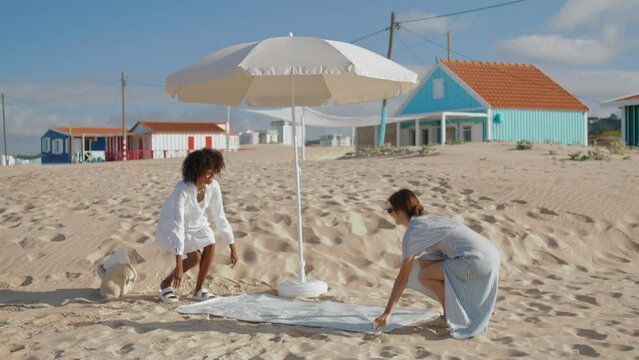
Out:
{"x": 533, "y": 215}
{"x": 250, "y": 256}
{"x": 582, "y": 217}
{"x": 504, "y": 340}
{"x": 489, "y": 218}
{"x": 467, "y": 191}
{"x": 28, "y": 280}
{"x": 58, "y": 238}
{"x": 591, "y": 334}
{"x": 520, "y": 202}
{"x": 588, "y": 299}
{"x": 127, "y": 348}
{"x": 239, "y": 234}
{"x": 541, "y": 307}
{"x": 500, "y": 207}
{"x": 143, "y": 239}
{"x": 476, "y": 227}
{"x": 585, "y": 350}
{"x": 545, "y": 211}
{"x": 564, "y": 313}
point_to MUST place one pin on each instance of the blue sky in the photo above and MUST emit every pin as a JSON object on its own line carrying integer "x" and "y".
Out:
{"x": 60, "y": 61}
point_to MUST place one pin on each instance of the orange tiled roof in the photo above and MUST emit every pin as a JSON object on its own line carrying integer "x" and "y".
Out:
{"x": 182, "y": 126}
{"x": 514, "y": 86}
{"x": 83, "y": 130}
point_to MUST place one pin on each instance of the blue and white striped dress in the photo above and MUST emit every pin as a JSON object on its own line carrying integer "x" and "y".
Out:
{"x": 471, "y": 270}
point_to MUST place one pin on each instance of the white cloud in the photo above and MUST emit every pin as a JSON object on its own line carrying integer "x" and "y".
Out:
{"x": 558, "y": 49}
{"x": 595, "y": 86}
{"x": 605, "y": 29}
{"x": 579, "y": 13}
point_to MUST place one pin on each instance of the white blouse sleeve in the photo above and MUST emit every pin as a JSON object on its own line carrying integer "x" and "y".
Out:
{"x": 177, "y": 213}
{"x": 219, "y": 217}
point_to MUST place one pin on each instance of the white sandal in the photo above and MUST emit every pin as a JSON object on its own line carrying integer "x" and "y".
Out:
{"x": 167, "y": 295}
{"x": 203, "y": 295}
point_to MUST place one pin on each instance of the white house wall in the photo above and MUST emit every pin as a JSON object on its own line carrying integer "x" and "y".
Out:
{"x": 177, "y": 145}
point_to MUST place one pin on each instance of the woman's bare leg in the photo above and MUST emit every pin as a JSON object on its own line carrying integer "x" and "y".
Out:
{"x": 205, "y": 263}
{"x": 192, "y": 259}
{"x": 432, "y": 277}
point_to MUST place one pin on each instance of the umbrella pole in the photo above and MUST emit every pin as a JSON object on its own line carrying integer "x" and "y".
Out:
{"x": 302, "y": 275}
{"x": 228, "y": 131}
{"x": 303, "y": 136}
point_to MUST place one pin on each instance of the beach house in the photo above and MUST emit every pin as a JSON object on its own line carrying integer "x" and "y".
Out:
{"x": 169, "y": 139}
{"x": 66, "y": 144}
{"x": 332, "y": 140}
{"x": 629, "y": 105}
{"x": 485, "y": 101}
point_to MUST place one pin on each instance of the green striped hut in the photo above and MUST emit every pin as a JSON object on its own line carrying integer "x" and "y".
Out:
{"x": 629, "y": 105}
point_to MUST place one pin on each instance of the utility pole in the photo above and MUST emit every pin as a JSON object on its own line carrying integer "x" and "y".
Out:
{"x": 4, "y": 132}
{"x": 382, "y": 127}
{"x": 123, "y": 80}
{"x": 449, "y": 48}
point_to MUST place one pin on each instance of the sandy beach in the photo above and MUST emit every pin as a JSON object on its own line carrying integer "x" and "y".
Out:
{"x": 567, "y": 231}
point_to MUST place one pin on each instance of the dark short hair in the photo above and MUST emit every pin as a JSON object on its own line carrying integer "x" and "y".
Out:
{"x": 406, "y": 201}
{"x": 200, "y": 161}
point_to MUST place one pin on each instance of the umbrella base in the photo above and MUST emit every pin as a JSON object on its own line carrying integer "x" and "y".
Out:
{"x": 310, "y": 288}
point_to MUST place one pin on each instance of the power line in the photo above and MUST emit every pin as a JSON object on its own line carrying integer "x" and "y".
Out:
{"x": 369, "y": 35}
{"x": 411, "y": 51}
{"x": 434, "y": 42}
{"x": 462, "y": 12}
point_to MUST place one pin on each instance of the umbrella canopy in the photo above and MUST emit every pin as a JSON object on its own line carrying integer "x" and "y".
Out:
{"x": 289, "y": 71}
{"x": 258, "y": 74}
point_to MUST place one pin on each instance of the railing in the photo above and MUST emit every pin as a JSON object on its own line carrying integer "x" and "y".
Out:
{"x": 146, "y": 154}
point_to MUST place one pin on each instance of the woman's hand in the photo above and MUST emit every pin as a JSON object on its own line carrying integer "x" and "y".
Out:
{"x": 177, "y": 275}
{"x": 381, "y": 321}
{"x": 234, "y": 257}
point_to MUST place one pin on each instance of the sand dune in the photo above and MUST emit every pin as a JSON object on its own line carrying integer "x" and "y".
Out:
{"x": 568, "y": 233}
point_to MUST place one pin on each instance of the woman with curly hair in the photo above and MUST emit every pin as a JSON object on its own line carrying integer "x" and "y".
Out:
{"x": 184, "y": 229}
{"x": 455, "y": 265}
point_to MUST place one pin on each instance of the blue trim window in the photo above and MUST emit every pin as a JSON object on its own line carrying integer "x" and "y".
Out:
{"x": 46, "y": 145}
{"x": 58, "y": 146}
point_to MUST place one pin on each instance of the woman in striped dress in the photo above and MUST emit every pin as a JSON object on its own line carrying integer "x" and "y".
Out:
{"x": 455, "y": 265}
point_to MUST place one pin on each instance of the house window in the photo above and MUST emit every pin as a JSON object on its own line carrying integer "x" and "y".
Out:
{"x": 46, "y": 145}
{"x": 438, "y": 88}
{"x": 467, "y": 133}
{"x": 58, "y": 146}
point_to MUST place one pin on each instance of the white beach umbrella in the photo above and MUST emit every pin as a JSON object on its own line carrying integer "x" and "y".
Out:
{"x": 289, "y": 71}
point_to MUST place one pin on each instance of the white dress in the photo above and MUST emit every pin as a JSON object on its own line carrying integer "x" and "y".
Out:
{"x": 183, "y": 225}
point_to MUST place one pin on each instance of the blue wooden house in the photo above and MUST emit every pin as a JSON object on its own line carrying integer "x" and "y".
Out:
{"x": 486, "y": 101}
{"x": 629, "y": 105}
{"x": 63, "y": 144}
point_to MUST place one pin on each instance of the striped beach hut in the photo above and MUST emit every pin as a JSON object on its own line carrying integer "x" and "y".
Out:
{"x": 629, "y": 105}
{"x": 66, "y": 144}
{"x": 169, "y": 139}
{"x": 485, "y": 101}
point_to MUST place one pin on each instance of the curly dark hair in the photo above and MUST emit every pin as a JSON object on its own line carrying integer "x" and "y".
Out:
{"x": 200, "y": 161}
{"x": 406, "y": 201}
